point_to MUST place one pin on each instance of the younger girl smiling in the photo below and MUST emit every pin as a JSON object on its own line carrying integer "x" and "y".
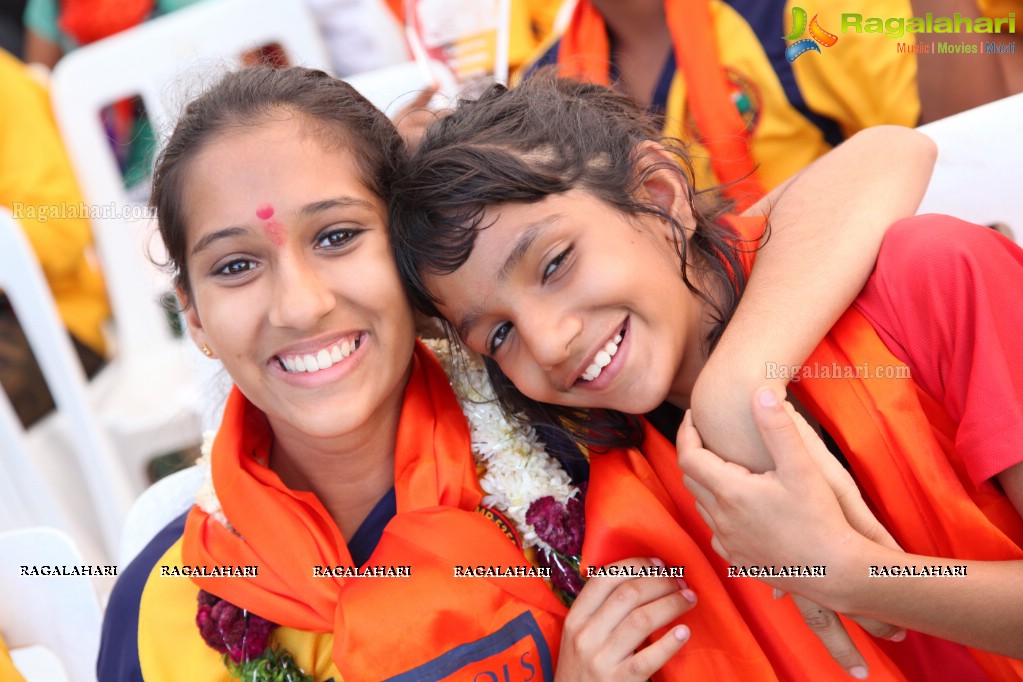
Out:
{"x": 563, "y": 240}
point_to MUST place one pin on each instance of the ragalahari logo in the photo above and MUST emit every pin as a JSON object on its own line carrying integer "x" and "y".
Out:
{"x": 818, "y": 36}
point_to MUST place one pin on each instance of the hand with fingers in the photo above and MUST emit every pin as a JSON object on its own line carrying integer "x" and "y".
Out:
{"x": 797, "y": 514}
{"x": 608, "y": 630}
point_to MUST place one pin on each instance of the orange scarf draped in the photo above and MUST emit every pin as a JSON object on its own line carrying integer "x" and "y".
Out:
{"x": 900, "y": 443}
{"x": 385, "y": 626}
{"x": 585, "y": 53}
{"x": 285, "y": 533}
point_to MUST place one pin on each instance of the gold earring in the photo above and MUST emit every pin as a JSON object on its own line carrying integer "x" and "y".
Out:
{"x": 207, "y": 351}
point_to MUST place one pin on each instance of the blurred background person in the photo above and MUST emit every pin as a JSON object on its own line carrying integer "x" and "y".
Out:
{"x": 722, "y": 76}
{"x": 38, "y": 186}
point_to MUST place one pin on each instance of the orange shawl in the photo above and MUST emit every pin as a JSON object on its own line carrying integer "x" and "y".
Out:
{"x": 900, "y": 443}
{"x": 387, "y": 626}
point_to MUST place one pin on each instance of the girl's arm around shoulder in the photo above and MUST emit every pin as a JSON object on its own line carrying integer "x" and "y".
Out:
{"x": 827, "y": 223}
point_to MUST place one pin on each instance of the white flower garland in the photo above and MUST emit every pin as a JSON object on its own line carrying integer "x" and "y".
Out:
{"x": 516, "y": 469}
{"x": 206, "y": 496}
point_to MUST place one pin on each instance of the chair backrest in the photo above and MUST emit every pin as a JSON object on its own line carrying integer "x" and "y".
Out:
{"x": 60, "y": 613}
{"x": 159, "y": 62}
{"x": 979, "y": 166}
{"x": 24, "y": 499}
{"x": 157, "y": 506}
{"x": 22, "y": 280}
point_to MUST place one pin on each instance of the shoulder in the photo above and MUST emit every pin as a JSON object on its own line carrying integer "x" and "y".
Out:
{"x": 936, "y": 267}
{"x": 936, "y": 246}
{"x": 170, "y": 647}
{"x": 118, "y": 654}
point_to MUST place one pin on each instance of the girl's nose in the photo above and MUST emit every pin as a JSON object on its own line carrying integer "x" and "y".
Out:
{"x": 550, "y": 336}
{"x": 301, "y": 297}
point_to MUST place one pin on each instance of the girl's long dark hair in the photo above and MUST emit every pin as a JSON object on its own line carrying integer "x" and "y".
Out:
{"x": 542, "y": 138}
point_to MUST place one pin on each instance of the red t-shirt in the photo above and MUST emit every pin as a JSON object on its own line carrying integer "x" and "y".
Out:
{"x": 946, "y": 298}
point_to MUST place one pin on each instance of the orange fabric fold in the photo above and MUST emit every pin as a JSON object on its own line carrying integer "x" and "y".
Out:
{"x": 286, "y": 533}
{"x": 637, "y": 506}
{"x": 900, "y": 444}
{"x": 585, "y": 53}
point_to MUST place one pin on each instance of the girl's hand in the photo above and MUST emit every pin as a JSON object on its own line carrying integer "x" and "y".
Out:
{"x": 799, "y": 514}
{"x": 612, "y": 617}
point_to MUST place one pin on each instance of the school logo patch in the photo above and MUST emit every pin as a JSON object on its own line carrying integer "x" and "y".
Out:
{"x": 516, "y": 653}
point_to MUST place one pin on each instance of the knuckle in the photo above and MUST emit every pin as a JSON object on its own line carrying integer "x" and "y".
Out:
{"x": 678, "y": 603}
{"x": 628, "y": 592}
{"x": 639, "y": 620}
{"x": 818, "y": 618}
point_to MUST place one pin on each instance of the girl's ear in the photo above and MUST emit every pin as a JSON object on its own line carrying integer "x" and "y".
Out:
{"x": 195, "y": 328}
{"x": 664, "y": 182}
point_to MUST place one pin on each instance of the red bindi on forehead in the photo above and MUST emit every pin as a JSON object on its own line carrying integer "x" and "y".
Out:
{"x": 274, "y": 230}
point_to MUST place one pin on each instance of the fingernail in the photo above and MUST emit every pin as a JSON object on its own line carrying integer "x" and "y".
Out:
{"x": 899, "y": 636}
{"x": 687, "y": 418}
{"x": 859, "y": 672}
{"x": 681, "y": 633}
{"x": 682, "y": 584}
{"x": 776, "y": 593}
{"x": 767, "y": 398}
{"x": 657, "y": 562}
{"x": 689, "y": 595}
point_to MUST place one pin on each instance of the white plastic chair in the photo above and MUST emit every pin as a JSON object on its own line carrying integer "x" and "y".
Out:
{"x": 153, "y": 396}
{"x": 979, "y": 166}
{"x": 24, "y": 499}
{"x": 104, "y": 476}
{"x": 59, "y": 613}
{"x": 160, "y": 504}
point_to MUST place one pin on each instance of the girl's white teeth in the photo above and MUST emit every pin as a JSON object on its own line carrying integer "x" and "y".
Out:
{"x": 602, "y": 359}
{"x": 325, "y": 358}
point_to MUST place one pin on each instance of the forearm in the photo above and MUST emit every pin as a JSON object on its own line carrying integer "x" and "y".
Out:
{"x": 980, "y": 605}
{"x": 826, "y": 229}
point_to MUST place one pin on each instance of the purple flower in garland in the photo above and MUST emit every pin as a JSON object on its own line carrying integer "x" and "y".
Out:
{"x": 562, "y": 527}
{"x": 228, "y": 629}
{"x": 565, "y": 574}
{"x": 244, "y": 640}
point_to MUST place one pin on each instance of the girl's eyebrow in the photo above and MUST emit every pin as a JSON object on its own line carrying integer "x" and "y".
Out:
{"x": 529, "y": 235}
{"x": 337, "y": 202}
{"x": 212, "y": 237}
{"x": 522, "y": 245}
{"x": 307, "y": 210}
